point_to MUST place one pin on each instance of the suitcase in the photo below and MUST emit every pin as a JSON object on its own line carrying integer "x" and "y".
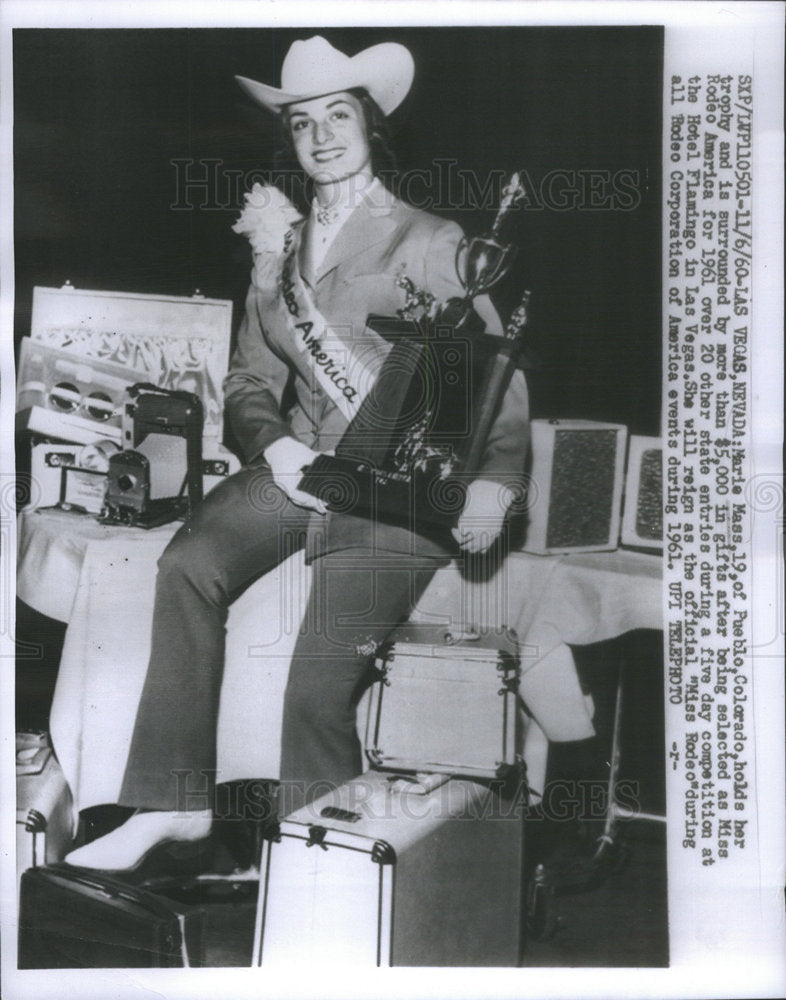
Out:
{"x": 447, "y": 702}
{"x": 390, "y": 871}
{"x": 43, "y": 804}
{"x": 85, "y": 346}
{"x": 78, "y": 918}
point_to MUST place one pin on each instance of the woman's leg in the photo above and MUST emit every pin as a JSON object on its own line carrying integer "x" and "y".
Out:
{"x": 243, "y": 529}
{"x": 357, "y": 598}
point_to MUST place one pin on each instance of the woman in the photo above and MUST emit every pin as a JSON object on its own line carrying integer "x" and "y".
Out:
{"x": 314, "y": 282}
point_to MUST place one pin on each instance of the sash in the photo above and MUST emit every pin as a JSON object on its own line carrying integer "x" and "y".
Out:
{"x": 337, "y": 364}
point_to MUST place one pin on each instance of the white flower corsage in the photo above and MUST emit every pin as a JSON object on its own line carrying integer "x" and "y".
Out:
{"x": 266, "y": 219}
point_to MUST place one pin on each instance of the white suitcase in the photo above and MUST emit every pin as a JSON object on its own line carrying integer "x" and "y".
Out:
{"x": 447, "y": 702}
{"x": 43, "y": 804}
{"x": 383, "y": 872}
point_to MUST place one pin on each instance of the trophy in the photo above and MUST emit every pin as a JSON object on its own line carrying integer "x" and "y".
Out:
{"x": 481, "y": 262}
{"x": 419, "y": 435}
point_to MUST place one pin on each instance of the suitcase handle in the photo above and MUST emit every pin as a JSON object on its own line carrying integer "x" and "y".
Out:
{"x": 452, "y": 638}
{"x": 502, "y": 638}
{"x": 111, "y": 887}
{"x": 419, "y": 783}
{"x": 334, "y": 812}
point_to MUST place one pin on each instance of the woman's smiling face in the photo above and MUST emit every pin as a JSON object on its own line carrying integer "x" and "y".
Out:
{"x": 329, "y": 135}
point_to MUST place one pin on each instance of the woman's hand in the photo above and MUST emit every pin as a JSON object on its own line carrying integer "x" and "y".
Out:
{"x": 484, "y": 512}
{"x": 287, "y": 458}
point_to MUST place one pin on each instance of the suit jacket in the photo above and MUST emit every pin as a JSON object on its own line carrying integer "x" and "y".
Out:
{"x": 376, "y": 245}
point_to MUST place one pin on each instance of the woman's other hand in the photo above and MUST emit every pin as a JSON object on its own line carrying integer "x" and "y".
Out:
{"x": 287, "y": 458}
{"x": 484, "y": 512}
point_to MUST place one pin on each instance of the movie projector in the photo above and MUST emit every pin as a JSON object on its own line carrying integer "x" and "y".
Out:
{"x": 119, "y": 395}
{"x": 152, "y": 475}
{"x": 157, "y": 477}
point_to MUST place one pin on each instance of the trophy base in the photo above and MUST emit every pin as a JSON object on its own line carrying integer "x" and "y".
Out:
{"x": 461, "y": 316}
{"x": 423, "y": 503}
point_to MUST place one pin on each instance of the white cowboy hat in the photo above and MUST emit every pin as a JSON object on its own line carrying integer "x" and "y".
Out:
{"x": 314, "y": 67}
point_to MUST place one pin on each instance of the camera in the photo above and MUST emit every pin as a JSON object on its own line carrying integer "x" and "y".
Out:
{"x": 152, "y": 419}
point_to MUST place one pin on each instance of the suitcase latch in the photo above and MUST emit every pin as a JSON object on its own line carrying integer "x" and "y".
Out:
{"x": 316, "y": 837}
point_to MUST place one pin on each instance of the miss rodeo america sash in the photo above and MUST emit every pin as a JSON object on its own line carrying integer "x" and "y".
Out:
{"x": 337, "y": 364}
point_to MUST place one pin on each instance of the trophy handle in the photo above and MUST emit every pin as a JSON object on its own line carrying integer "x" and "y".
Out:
{"x": 463, "y": 244}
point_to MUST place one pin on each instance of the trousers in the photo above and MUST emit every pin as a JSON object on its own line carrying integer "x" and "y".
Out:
{"x": 243, "y": 529}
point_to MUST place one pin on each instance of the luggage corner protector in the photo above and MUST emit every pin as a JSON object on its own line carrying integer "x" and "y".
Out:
{"x": 272, "y": 832}
{"x": 510, "y": 684}
{"x": 35, "y": 822}
{"x": 507, "y": 665}
{"x": 382, "y": 853}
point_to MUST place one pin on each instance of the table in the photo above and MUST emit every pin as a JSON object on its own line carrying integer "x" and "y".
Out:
{"x": 100, "y": 580}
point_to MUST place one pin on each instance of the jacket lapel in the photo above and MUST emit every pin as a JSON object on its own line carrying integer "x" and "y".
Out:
{"x": 372, "y": 222}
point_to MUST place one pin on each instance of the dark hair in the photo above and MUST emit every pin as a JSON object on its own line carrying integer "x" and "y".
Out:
{"x": 383, "y": 161}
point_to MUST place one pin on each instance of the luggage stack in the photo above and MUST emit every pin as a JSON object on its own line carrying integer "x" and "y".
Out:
{"x": 43, "y": 804}
{"x": 71, "y": 917}
{"x": 417, "y": 862}
{"x": 420, "y": 861}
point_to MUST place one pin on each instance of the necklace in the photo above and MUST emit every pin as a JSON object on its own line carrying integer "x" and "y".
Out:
{"x": 327, "y": 216}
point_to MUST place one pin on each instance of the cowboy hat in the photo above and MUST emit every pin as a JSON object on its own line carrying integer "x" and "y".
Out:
{"x": 314, "y": 67}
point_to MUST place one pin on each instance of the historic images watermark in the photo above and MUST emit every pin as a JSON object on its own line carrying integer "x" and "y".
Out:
{"x": 562, "y": 801}
{"x": 209, "y": 184}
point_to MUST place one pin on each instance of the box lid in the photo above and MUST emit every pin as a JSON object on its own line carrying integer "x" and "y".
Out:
{"x": 182, "y": 342}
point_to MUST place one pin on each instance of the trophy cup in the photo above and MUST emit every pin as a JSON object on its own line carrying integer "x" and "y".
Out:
{"x": 418, "y": 437}
{"x": 481, "y": 262}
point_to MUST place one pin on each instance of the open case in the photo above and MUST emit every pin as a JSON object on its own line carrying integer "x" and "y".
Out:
{"x": 86, "y": 348}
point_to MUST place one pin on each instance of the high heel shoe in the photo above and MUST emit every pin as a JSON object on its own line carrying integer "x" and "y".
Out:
{"x": 147, "y": 843}
{"x": 177, "y": 858}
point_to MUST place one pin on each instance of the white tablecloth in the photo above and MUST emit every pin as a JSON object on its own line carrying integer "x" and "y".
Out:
{"x": 100, "y": 580}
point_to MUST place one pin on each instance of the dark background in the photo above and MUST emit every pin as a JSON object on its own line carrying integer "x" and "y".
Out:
{"x": 101, "y": 114}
